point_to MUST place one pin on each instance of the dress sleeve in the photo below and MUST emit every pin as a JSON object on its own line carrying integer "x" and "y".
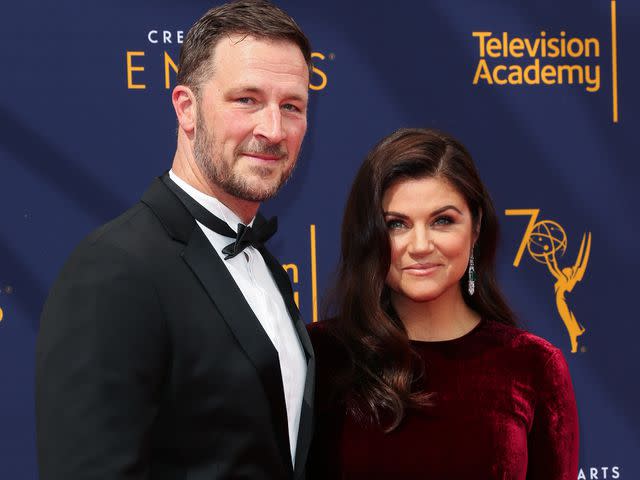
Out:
{"x": 553, "y": 439}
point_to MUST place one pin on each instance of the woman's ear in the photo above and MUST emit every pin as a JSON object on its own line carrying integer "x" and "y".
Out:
{"x": 476, "y": 227}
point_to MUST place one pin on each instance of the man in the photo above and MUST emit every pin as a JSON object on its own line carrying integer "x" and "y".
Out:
{"x": 167, "y": 349}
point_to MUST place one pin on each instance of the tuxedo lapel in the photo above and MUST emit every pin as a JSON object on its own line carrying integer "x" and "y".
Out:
{"x": 228, "y": 299}
{"x": 305, "y": 430}
{"x": 215, "y": 278}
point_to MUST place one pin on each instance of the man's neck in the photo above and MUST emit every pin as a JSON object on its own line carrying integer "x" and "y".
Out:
{"x": 245, "y": 210}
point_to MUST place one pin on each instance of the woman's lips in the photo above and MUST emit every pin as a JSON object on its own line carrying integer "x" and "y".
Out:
{"x": 421, "y": 268}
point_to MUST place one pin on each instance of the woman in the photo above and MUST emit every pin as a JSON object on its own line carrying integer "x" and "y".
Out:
{"x": 422, "y": 372}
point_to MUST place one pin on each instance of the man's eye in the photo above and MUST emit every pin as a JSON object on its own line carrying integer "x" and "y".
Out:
{"x": 290, "y": 107}
{"x": 245, "y": 100}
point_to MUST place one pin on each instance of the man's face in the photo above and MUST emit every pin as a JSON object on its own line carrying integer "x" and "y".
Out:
{"x": 252, "y": 116}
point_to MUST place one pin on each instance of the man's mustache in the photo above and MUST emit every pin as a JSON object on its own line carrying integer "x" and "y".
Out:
{"x": 271, "y": 149}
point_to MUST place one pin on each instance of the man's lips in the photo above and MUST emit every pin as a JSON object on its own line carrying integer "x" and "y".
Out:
{"x": 263, "y": 156}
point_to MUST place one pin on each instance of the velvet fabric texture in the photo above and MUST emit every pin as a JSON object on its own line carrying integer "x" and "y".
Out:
{"x": 503, "y": 408}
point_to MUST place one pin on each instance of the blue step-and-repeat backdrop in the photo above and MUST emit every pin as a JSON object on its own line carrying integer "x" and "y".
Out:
{"x": 544, "y": 94}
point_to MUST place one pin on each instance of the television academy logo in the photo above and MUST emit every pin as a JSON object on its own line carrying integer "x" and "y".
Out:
{"x": 507, "y": 59}
{"x": 548, "y": 58}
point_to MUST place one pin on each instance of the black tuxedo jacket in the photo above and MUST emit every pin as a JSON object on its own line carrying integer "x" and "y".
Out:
{"x": 151, "y": 364}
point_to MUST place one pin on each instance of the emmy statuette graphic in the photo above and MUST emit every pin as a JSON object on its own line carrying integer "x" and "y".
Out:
{"x": 545, "y": 242}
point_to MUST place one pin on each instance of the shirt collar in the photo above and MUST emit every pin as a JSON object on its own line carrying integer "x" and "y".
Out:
{"x": 212, "y": 204}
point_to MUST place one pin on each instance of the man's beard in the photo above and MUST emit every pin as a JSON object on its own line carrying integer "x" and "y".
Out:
{"x": 221, "y": 174}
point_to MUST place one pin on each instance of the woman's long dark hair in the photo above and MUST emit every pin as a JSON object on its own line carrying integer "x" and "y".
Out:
{"x": 383, "y": 365}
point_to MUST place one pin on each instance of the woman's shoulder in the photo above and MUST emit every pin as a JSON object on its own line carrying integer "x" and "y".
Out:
{"x": 318, "y": 330}
{"x": 530, "y": 354}
{"x": 325, "y": 340}
{"x": 522, "y": 341}
{"x": 332, "y": 364}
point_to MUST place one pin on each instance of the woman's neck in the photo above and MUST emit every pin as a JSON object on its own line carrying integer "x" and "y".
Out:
{"x": 444, "y": 318}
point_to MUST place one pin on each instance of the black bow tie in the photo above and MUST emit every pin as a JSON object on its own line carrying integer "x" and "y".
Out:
{"x": 247, "y": 236}
{"x": 250, "y": 236}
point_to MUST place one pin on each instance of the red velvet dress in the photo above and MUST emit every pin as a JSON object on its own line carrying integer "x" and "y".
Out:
{"x": 504, "y": 408}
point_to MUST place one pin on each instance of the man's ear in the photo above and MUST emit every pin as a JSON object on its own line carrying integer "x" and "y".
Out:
{"x": 186, "y": 107}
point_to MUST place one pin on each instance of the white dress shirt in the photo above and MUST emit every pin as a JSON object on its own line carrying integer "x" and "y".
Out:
{"x": 254, "y": 279}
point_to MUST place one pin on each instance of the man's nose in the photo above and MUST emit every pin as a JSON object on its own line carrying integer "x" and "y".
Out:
{"x": 270, "y": 124}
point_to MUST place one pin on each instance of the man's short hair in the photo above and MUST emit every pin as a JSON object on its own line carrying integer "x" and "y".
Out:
{"x": 257, "y": 18}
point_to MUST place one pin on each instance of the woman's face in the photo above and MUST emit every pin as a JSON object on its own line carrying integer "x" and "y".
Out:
{"x": 431, "y": 234}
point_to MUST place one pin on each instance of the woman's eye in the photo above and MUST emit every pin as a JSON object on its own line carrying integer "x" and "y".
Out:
{"x": 395, "y": 224}
{"x": 445, "y": 220}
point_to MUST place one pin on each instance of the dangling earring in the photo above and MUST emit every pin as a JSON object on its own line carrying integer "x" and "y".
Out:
{"x": 472, "y": 274}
